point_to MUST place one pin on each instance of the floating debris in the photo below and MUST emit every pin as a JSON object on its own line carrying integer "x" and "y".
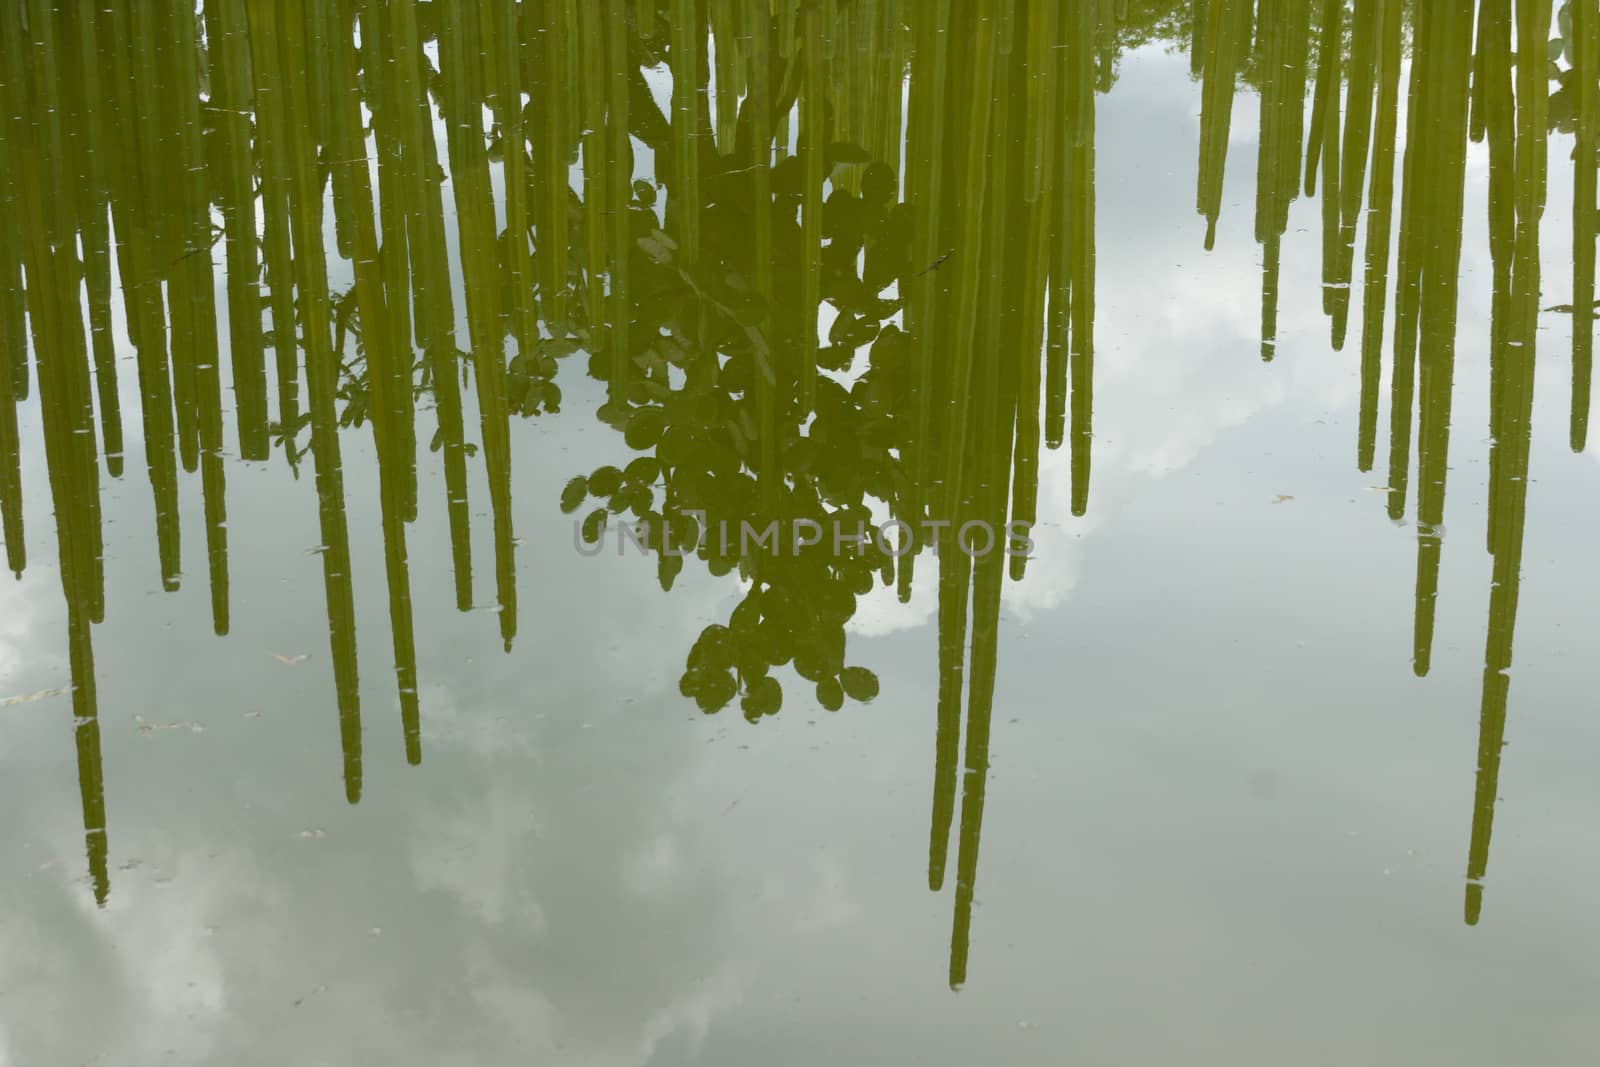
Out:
{"x": 29, "y": 698}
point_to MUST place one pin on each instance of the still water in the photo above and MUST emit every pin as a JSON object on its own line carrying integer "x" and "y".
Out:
{"x": 342, "y": 343}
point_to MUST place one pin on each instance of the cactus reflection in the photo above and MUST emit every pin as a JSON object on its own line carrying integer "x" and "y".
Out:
{"x": 916, "y": 176}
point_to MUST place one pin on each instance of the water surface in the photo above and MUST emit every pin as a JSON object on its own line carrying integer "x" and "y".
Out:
{"x": 335, "y": 336}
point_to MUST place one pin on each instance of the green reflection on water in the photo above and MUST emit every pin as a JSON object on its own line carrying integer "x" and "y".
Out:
{"x": 949, "y": 251}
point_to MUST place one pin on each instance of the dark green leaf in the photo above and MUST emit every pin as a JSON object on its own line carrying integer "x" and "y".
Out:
{"x": 573, "y": 496}
{"x": 605, "y": 481}
{"x": 645, "y": 427}
{"x": 719, "y": 688}
{"x": 594, "y": 526}
{"x": 859, "y": 683}
{"x": 765, "y": 697}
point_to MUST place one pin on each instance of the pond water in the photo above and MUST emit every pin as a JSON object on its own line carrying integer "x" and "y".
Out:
{"x": 389, "y": 394}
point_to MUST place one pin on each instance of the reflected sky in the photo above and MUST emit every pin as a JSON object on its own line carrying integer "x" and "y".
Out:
{"x": 1218, "y": 796}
